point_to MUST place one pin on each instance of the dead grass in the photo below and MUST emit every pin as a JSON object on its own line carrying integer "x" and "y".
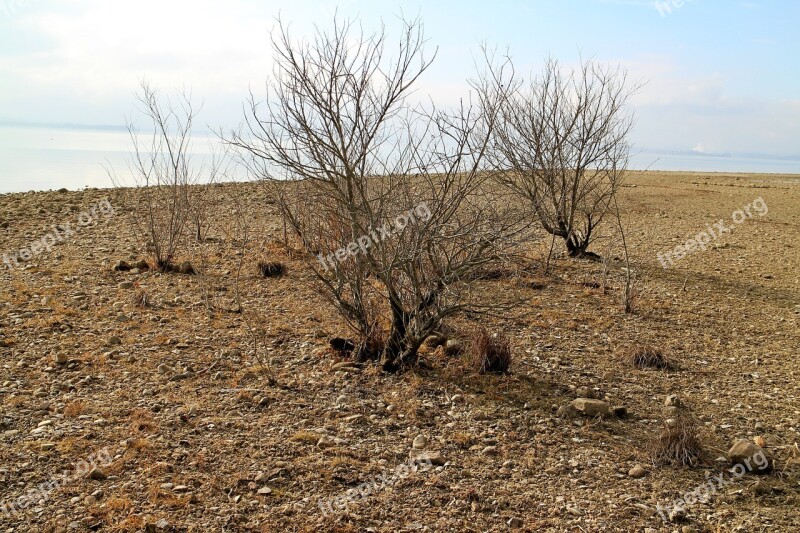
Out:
{"x": 678, "y": 444}
{"x": 489, "y": 353}
{"x": 74, "y": 409}
{"x": 648, "y": 356}
{"x": 271, "y": 269}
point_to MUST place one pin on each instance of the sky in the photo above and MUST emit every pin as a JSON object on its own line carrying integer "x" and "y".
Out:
{"x": 720, "y": 76}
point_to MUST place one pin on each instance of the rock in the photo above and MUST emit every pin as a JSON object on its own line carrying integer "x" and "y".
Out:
{"x": 342, "y": 345}
{"x": 47, "y": 446}
{"x": 678, "y": 514}
{"x": 490, "y": 450}
{"x": 126, "y": 285}
{"x": 762, "y": 488}
{"x": 142, "y": 264}
{"x": 264, "y": 491}
{"x": 567, "y": 411}
{"x": 325, "y": 442}
{"x": 670, "y": 410}
{"x": 122, "y": 266}
{"x": 263, "y": 402}
{"x": 164, "y": 369}
{"x": 750, "y": 455}
{"x": 161, "y": 525}
{"x": 61, "y": 358}
{"x": 591, "y": 407}
{"x": 433, "y": 342}
{"x": 588, "y": 392}
{"x": 515, "y": 523}
{"x": 453, "y": 347}
{"x": 420, "y": 442}
{"x": 688, "y": 529}
{"x": 186, "y": 268}
{"x": 435, "y": 458}
{"x": 637, "y": 472}
{"x": 346, "y": 366}
{"x": 673, "y": 401}
{"x": 97, "y": 474}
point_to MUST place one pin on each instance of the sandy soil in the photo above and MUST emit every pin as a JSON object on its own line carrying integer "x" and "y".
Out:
{"x": 198, "y": 438}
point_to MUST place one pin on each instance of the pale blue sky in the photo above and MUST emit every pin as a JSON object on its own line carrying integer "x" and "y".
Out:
{"x": 722, "y": 76}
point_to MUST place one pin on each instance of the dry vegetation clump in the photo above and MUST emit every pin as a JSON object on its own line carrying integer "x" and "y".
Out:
{"x": 677, "y": 444}
{"x": 490, "y": 353}
{"x": 271, "y": 269}
{"x": 648, "y": 356}
{"x": 140, "y": 298}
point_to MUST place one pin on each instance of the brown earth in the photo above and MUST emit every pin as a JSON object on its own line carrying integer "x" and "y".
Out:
{"x": 202, "y": 439}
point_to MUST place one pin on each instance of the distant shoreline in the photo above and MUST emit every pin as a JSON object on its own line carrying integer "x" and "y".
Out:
{"x": 769, "y": 176}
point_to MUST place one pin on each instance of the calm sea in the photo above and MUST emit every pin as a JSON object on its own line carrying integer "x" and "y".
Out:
{"x": 49, "y": 158}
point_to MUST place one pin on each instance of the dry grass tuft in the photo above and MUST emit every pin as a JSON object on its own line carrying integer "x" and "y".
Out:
{"x": 73, "y": 409}
{"x": 308, "y": 437}
{"x": 490, "y": 353}
{"x": 141, "y": 299}
{"x": 678, "y": 444}
{"x": 270, "y": 269}
{"x": 648, "y": 356}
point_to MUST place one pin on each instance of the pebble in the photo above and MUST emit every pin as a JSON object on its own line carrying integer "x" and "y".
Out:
{"x": 97, "y": 474}
{"x": 637, "y": 472}
{"x": 673, "y": 401}
{"x": 420, "y": 442}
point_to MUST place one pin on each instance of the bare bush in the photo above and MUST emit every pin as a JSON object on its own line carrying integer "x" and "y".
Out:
{"x": 168, "y": 196}
{"x": 560, "y": 143}
{"x": 391, "y": 199}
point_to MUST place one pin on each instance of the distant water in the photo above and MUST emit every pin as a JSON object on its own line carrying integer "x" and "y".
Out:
{"x": 50, "y": 158}
{"x": 35, "y": 159}
{"x": 710, "y": 163}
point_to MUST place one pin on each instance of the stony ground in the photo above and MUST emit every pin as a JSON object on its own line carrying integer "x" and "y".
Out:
{"x": 194, "y": 418}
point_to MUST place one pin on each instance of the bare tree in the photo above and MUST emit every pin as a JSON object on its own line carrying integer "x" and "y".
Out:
{"x": 561, "y": 142}
{"x": 392, "y": 200}
{"x": 168, "y": 199}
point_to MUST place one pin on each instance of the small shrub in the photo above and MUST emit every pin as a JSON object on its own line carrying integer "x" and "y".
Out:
{"x": 271, "y": 269}
{"x": 73, "y": 409}
{"x": 141, "y": 299}
{"x": 490, "y": 353}
{"x": 677, "y": 444}
{"x": 649, "y": 357}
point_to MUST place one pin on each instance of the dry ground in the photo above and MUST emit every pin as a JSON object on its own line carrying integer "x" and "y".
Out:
{"x": 201, "y": 439}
